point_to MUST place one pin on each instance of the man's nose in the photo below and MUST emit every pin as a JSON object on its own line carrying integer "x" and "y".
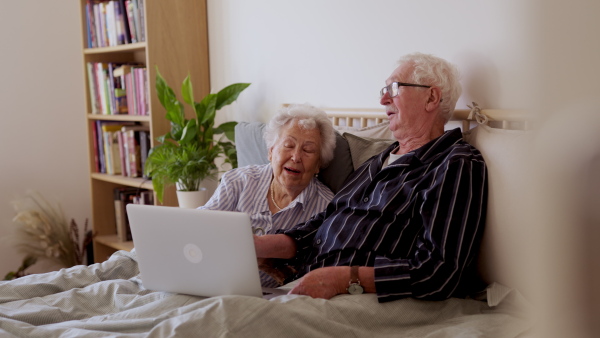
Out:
{"x": 385, "y": 99}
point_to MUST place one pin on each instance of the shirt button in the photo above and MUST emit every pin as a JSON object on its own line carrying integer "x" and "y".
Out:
{"x": 318, "y": 241}
{"x": 366, "y": 199}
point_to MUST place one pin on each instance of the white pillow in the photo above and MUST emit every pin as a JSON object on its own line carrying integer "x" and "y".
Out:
{"x": 506, "y": 244}
{"x": 378, "y": 131}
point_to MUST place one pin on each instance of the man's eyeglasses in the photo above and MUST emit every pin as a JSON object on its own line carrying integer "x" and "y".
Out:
{"x": 393, "y": 88}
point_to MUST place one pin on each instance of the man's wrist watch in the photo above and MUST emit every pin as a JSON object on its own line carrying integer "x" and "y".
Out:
{"x": 354, "y": 288}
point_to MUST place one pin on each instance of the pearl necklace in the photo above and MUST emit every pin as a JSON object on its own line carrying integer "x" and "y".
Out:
{"x": 273, "y": 198}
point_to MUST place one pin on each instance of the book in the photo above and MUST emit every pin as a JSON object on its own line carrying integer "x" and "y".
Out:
{"x": 100, "y": 156}
{"x": 111, "y": 148}
{"x": 144, "y": 150}
{"x": 122, "y": 197}
{"x": 92, "y": 88}
{"x": 131, "y": 139}
{"x": 95, "y": 142}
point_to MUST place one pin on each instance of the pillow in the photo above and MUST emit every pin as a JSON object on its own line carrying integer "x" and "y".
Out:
{"x": 340, "y": 167}
{"x": 252, "y": 149}
{"x": 506, "y": 243}
{"x": 363, "y": 148}
{"x": 250, "y": 144}
{"x": 378, "y": 131}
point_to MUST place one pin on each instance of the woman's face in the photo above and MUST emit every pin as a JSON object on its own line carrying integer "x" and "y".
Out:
{"x": 296, "y": 156}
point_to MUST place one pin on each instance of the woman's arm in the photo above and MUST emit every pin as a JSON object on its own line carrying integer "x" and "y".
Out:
{"x": 275, "y": 246}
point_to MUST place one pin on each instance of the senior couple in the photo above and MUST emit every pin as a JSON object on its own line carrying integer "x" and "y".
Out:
{"x": 407, "y": 223}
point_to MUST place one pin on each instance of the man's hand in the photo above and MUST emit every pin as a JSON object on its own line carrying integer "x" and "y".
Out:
{"x": 324, "y": 282}
{"x": 334, "y": 280}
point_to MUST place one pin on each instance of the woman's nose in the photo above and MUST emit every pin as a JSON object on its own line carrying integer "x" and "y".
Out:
{"x": 296, "y": 156}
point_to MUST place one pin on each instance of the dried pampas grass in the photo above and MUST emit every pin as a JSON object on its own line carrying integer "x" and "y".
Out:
{"x": 42, "y": 231}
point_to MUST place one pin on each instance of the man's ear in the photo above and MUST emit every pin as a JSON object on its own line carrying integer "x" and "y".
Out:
{"x": 434, "y": 99}
{"x": 270, "y": 153}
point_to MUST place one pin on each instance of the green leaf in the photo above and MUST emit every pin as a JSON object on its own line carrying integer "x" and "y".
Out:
{"x": 187, "y": 92}
{"x": 175, "y": 114}
{"x": 227, "y": 128}
{"x": 229, "y": 94}
{"x": 165, "y": 94}
{"x": 190, "y": 131}
{"x": 209, "y": 106}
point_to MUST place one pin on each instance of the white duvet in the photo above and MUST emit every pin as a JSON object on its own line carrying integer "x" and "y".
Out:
{"x": 108, "y": 299}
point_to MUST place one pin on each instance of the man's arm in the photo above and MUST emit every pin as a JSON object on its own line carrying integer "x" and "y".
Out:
{"x": 453, "y": 216}
{"x": 334, "y": 280}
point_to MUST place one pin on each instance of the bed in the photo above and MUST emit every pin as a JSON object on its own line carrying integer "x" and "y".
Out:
{"x": 108, "y": 298}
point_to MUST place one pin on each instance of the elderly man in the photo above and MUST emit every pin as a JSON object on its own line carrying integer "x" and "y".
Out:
{"x": 409, "y": 221}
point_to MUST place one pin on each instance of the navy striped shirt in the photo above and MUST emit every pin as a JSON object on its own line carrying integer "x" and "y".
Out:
{"x": 245, "y": 190}
{"x": 418, "y": 221}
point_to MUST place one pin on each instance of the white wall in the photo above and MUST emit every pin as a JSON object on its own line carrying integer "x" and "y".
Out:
{"x": 338, "y": 53}
{"x": 42, "y": 128}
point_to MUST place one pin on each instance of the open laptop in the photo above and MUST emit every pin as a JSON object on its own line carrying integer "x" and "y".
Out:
{"x": 197, "y": 252}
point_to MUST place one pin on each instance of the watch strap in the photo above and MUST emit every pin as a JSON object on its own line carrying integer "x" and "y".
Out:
{"x": 354, "y": 275}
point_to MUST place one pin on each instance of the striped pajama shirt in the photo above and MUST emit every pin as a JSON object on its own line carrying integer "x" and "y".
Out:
{"x": 418, "y": 221}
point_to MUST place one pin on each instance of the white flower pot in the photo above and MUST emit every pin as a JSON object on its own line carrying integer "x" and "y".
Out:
{"x": 192, "y": 199}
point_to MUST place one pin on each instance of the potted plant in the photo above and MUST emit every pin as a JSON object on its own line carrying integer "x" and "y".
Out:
{"x": 186, "y": 155}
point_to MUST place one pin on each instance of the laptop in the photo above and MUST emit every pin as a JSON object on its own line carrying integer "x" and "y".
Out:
{"x": 196, "y": 252}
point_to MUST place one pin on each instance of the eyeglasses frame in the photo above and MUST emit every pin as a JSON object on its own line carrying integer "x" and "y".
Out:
{"x": 400, "y": 84}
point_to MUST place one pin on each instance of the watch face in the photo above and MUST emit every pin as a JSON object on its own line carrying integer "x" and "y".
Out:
{"x": 355, "y": 289}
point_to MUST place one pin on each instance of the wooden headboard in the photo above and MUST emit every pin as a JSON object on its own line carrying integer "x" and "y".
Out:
{"x": 497, "y": 118}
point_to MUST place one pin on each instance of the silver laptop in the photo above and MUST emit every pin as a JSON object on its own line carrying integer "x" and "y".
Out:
{"x": 196, "y": 252}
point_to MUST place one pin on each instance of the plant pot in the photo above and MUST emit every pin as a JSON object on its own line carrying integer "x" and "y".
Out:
{"x": 192, "y": 199}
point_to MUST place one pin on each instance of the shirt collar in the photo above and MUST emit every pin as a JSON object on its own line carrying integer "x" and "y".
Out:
{"x": 427, "y": 152}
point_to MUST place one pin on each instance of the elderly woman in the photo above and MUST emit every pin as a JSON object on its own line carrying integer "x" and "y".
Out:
{"x": 300, "y": 140}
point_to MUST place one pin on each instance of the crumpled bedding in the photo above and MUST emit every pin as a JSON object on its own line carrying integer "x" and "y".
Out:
{"x": 108, "y": 299}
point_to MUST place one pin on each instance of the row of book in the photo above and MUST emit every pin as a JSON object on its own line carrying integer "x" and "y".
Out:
{"x": 114, "y": 22}
{"x": 120, "y": 148}
{"x": 122, "y": 197}
{"x": 118, "y": 88}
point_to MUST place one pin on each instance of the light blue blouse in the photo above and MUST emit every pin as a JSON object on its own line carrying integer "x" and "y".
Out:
{"x": 245, "y": 190}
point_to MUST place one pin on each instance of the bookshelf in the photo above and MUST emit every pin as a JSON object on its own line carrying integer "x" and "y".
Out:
{"x": 176, "y": 40}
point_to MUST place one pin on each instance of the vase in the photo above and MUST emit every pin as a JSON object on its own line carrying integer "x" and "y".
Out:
{"x": 192, "y": 199}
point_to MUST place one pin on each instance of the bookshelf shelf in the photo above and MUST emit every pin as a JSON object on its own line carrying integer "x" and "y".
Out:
{"x": 131, "y": 47}
{"x": 134, "y": 118}
{"x": 112, "y": 241}
{"x": 124, "y": 181}
{"x": 176, "y": 41}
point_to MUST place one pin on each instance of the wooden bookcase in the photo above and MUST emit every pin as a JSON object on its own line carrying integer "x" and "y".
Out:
{"x": 177, "y": 42}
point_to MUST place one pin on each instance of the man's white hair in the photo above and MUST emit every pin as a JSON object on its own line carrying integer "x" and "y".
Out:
{"x": 434, "y": 71}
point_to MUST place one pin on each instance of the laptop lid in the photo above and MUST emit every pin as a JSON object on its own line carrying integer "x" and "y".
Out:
{"x": 196, "y": 252}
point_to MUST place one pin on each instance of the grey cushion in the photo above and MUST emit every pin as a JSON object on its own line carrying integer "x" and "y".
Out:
{"x": 363, "y": 148}
{"x": 250, "y": 144}
{"x": 251, "y": 149}
{"x": 340, "y": 167}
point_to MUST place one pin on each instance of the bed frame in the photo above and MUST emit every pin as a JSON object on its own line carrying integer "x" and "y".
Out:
{"x": 496, "y": 118}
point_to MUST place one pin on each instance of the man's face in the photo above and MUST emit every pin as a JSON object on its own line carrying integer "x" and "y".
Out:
{"x": 406, "y": 111}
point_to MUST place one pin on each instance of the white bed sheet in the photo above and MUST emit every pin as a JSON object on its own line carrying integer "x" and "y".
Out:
{"x": 108, "y": 299}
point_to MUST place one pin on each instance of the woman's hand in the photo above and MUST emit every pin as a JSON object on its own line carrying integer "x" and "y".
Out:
{"x": 274, "y": 268}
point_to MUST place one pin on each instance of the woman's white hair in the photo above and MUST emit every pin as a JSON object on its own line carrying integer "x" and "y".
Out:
{"x": 434, "y": 71}
{"x": 307, "y": 117}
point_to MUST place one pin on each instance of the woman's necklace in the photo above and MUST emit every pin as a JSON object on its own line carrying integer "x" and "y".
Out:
{"x": 273, "y": 198}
